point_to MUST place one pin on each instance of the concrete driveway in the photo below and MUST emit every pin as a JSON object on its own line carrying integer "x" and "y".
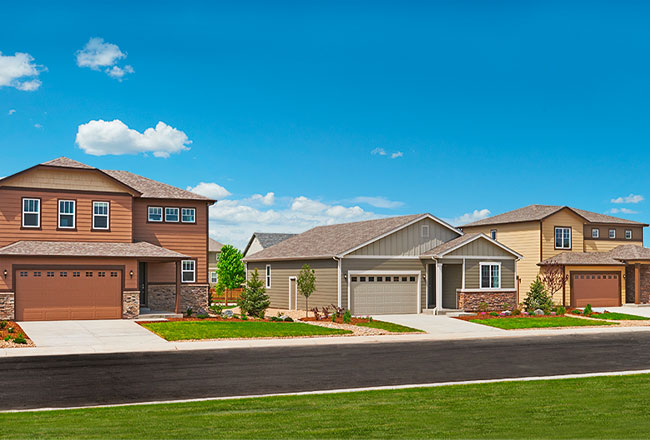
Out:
{"x": 442, "y": 325}
{"x": 630, "y": 309}
{"x": 99, "y": 335}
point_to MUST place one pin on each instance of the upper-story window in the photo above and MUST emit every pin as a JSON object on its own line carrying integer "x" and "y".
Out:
{"x": 155, "y": 214}
{"x": 595, "y": 233}
{"x": 493, "y": 234}
{"x": 171, "y": 215}
{"x": 490, "y": 275}
{"x": 424, "y": 231}
{"x": 562, "y": 238}
{"x": 67, "y": 210}
{"x": 31, "y": 213}
{"x": 188, "y": 215}
{"x": 188, "y": 271}
{"x": 100, "y": 215}
{"x": 628, "y": 234}
{"x": 612, "y": 233}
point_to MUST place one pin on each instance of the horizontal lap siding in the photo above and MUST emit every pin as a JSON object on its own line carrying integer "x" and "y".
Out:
{"x": 11, "y": 217}
{"x": 415, "y": 264}
{"x": 564, "y": 218}
{"x": 66, "y": 179}
{"x": 325, "y": 294}
{"x": 472, "y": 274}
{"x": 607, "y": 245}
{"x": 188, "y": 239}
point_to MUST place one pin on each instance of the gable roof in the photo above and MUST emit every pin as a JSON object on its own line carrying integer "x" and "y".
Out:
{"x": 214, "y": 245}
{"x": 463, "y": 240}
{"x": 582, "y": 259}
{"x": 337, "y": 240}
{"x": 630, "y": 252}
{"x": 64, "y": 162}
{"x": 140, "y": 249}
{"x": 540, "y": 212}
{"x": 268, "y": 239}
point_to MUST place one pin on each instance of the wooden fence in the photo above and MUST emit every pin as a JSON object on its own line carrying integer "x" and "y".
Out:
{"x": 229, "y": 296}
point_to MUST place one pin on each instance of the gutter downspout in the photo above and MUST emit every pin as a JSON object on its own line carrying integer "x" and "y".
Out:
{"x": 437, "y": 308}
{"x": 338, "y": 284}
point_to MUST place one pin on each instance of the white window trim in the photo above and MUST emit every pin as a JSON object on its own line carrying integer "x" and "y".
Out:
{"x": 162, "y": 214}
{"x": 626, "y": 233}
{"x": 480, "y": 275}
{"x": 73, "y": 214}
{"x": 193, "y": 271}
{"x": 267, "y": 276}
{"x": 214, "y": 277}
{"x": 493, "y": 236}
{"x": 597, "y": 231}
{"x": 422, "y": 231}
{"x": 193, "y": 215}
{"x": 610, "y": 234}
{"x": 555, "y": 237}
{"x": 178, "y": 215}
{"x": 107, "y": 215}
{"x": 38, "y": 213}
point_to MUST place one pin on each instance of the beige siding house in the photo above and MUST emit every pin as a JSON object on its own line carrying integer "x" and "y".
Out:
{"x": 404, "y": 264}
{"x": 214, "y": 249}
{"x": 262, "y": 240}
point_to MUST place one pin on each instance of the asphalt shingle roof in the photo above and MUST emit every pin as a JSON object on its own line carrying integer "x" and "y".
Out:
{"x": 582, "y": 258}
{"x": 141, "y": 249}
{"x": 214, "y": 245}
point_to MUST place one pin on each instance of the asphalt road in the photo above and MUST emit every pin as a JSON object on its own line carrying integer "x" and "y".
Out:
{"x": 64, "y": 381}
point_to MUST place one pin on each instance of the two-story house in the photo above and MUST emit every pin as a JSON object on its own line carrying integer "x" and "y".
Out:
{"x": 77, "y": 242}
{"x": 603, "y": 255}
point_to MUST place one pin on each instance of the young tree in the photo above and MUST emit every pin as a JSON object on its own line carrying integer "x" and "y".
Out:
{"x": 306, "y": 282}
{"x": 230, "y": 270}
{"x": 538, "y": 298}
{"x": 254, "y": 301}
{"x": 554, "y": 278}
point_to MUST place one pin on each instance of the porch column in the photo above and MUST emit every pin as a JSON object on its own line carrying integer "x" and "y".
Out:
{"x": 438, "y": 286}
{"x": 637, "y": 284}
{"x": 177, "y": 307}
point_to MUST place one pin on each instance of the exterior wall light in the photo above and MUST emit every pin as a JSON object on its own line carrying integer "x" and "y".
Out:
{"x": 131, "y": 273}
{"x": 5, "y": 272}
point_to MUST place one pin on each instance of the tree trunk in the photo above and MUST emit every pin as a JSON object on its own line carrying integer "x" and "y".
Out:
{"x": 307, "y": 307}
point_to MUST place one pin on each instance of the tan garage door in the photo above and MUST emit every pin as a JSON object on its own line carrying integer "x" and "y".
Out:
{"x": 383, "y": 294}
{"x": 598, "y": 289}
{"x": 62, "y": 294}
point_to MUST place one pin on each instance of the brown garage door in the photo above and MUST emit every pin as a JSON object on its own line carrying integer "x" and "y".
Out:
{"x": 57, "y": 294}
{"x": 598, "y": 289}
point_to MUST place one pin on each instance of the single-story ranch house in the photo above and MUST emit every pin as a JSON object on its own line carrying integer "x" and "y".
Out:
{"x": 404, "y": 264}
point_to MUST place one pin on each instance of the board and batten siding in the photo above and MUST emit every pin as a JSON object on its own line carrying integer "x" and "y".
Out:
{"x": 409, "y": 241}
{"x": 370, "y": 264}
{"x": 472, "y": 273}
{"x": 452, "y": 279}
{"x": 479, "y": 247}
{"x": 65, "y": 179}
{"x": 326, "y": 272}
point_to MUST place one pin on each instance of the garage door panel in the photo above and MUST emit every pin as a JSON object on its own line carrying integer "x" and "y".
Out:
{"x": 52, "y": 295}
{"x": 597, "y": 289}
{"x": 381, "y": 297}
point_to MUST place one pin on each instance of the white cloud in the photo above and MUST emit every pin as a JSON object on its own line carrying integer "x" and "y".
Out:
{"x": 19, "y": 71}
{"x": 98, "y": 55}
{"x": 381, "y": 152}
{"x": 632, "y": 198}
{"x": 396, "y": 155}
{"x": 12, "y": 111}
{"x": 268, "y": 199}
{"x": 377, "y": 202}
{"x": 378, "y": 151}
{"x": 622, "y": 211}
{"x": 210, "y": 189}
{"x": 468, "y": 217}
{"x": 100, "y": 138}
{"x": 38, "y": 126}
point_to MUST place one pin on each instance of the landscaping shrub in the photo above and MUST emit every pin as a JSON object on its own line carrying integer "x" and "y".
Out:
{"x": 7, "y": 338}
{"x": 254, "y": 300}
{"x": 347, "y": 317}
{"x": 202, "y": 315}
{"x": 243, "y": 317}
{"x": 516, "y": 312}
{"x": 493, "y": 314}
{"x": 288, "y": 319}
{"x": 3, "y": 324}
{"x": 576, "y": 312}
{"x": 560, "y": 310}
{"x": 316, "y": 313}
{"x": 216, "y": 309}
{"x": 538, "y": 298}
{"x": 189, "y": 312}
{"x": 11, "y": 330}
{"x": 588, "y": 310}
{"x": 483, "y": 307}
{"x": 334, "y": 316}
{"x": 20, "y": 339}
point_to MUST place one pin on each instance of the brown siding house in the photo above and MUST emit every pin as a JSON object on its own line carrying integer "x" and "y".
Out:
{"x": 77, "y": 242}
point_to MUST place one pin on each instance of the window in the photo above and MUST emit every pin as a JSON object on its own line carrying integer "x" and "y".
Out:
{"x": 188, "y": 215}
{"x": 412, "y": 279}
{"x": 628, "y": 234}
{"x": 595, "y": 233}
{"x": 404, "y": 279}
{"x": 37, "y": 274}
{"x": 493, "y": 234}
{"x": 362, "y": 279}
{"x": 23, "y": 274}
{"x": 155, "y": 214}
{"x": 354, "y": 279}
{"x": 213, "y": 277}
{"x": 101, "y": 274}
{"x": 63, "y": 274}
{"x": 100, "y": 215}
{"x": 612, "y": 233}
{"x": 425, "y": 231}
{"x": 31, "y": 213}
{"x": 188, "y": 269}
{"x": 171, "y": 215}
{"x": 380, "y": 279}
{"x": 490, "y": 275}
{"x": 89, "y": 274}
{"x": 76, "y": 274}
{"x": 50, "y": 274}
{"x": 268, "y": 276}
{"x": 562, "y": 238}
{"x": 113, "y": 274}
{"x": 66, "y": 214}
{"x": 371, "y": 279}
{"x": 396, "y": 279}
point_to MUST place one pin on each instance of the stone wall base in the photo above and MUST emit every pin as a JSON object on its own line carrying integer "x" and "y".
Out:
{"x": 7, "y": 305}
{"x": 497, "y": 301}
{"x": 162, "y": 297}
{"x": 130, "y": 304}
{"x": 644, "y": 275}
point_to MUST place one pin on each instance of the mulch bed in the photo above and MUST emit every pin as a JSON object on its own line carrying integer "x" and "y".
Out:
{"x": 17, "y": 331}
{"x": 339, "y": 320}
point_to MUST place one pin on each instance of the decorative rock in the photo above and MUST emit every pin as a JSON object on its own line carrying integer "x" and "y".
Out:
{"x": 506, "y": 313}
{"x": 227, "y": 313}
{"x": 539, "y": 312}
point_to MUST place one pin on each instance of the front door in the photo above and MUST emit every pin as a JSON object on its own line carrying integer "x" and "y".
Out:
{"x": 142, "y": 283}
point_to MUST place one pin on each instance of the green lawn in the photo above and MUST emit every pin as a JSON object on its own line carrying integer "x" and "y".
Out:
{"x": 545, "y": 322}
{"x": 182, "y": 330}
{"x": 601, "y": 408}
{"x": 389, "y": 326}
{"x": 619, "y": 317}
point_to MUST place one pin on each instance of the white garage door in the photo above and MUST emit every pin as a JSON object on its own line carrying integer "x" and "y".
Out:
{"x": 383, "y": 294}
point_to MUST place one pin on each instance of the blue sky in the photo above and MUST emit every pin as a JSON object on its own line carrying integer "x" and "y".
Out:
{"x": 486, "y": 106}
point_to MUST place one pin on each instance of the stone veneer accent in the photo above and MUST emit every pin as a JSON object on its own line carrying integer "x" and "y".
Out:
{"x": 130, "y": 304}
{"x": 644, "y": 275}
{"x": 471, "y": 301}
{"x": 7, "y": 305}
{"x": 162, "y": 297}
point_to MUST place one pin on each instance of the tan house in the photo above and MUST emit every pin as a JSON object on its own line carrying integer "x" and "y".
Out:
{"x": 404, "y": 264}
{"x": 598, "y": 252}
{"x": 262, "y": 240}
{"x": 214, "y": 249}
